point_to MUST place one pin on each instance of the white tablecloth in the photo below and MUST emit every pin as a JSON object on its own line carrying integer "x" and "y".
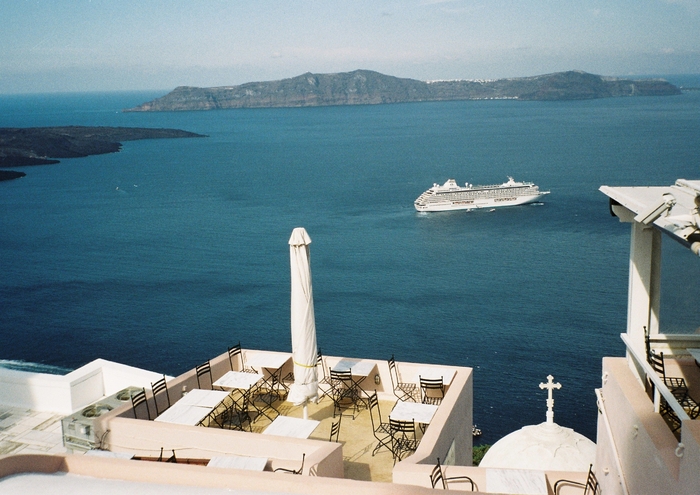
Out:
{"x": 286, "y": 426}
{"x": 413, "y": 411}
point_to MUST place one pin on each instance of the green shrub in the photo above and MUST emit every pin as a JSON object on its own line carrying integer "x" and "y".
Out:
{"x": 478, "y": 453}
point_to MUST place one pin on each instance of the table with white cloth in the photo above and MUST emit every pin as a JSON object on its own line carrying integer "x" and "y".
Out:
{"x": 286, "y": 426}
{"x": 272, "y": 363}
{"x": 245, "y": 383}
{"x": 193, "y": 407}
{"x": 360, "y": 369}
{"x": 435, "y": 372}
{"x": 238, "y": 462}
{"x": 413, "y": 411}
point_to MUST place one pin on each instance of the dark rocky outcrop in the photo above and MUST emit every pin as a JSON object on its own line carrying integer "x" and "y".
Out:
{"x": 41, "y": 145}
{"x": 364, "y": 87}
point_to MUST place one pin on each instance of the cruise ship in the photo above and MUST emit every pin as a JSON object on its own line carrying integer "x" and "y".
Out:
{"x": 450, "y": 196}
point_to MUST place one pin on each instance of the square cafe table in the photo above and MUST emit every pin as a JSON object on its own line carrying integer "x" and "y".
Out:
{"x": 286, "y": 426}
{"x": 238, "y": 380}
{"x": 413, "y": 411}
{"x": 435, "y": 372}
{"x": 193, "y": 407}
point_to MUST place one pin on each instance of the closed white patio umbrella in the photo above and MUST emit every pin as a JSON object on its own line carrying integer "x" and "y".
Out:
{"x": 303, "y": 323}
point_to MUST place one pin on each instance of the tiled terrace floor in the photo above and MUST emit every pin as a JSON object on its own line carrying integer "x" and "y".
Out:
{"x": 355, "y": 436}
{"x": 29, "y": 432}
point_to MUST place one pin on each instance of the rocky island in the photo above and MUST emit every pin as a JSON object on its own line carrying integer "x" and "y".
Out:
{"x": 42, "y": 145}
{"x": 365, "y": 87}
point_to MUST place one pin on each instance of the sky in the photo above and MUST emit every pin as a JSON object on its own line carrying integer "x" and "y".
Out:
{"x": 117, "y": 45}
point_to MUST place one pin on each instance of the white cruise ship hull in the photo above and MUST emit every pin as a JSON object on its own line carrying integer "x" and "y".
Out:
{"x": 450, "y": 196}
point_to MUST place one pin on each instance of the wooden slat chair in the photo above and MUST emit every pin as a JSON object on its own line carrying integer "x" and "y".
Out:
{"x": 437, "y": 476}
{"x": 402, "y": 390}
{"x": 590, "y": 487}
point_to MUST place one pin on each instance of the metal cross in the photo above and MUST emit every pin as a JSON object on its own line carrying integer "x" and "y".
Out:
{"x": 550, "y": 386}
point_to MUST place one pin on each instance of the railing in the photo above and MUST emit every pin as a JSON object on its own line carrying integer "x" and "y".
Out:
{"x": 660, "y": 388}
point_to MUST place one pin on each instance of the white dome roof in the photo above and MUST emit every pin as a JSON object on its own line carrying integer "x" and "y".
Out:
{"x": 546, "y": 446}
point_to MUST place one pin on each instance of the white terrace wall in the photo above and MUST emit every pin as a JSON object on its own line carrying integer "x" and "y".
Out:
{"x": 189, "y": 475}
{"x": 65, "y": 394}
{"x": 449, "y": 435}
{"x": 146, "y": 438}
{"x": 630, "y": 431}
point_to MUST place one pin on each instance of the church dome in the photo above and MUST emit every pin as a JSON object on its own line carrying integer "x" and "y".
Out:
{"x": 545, "y": 447}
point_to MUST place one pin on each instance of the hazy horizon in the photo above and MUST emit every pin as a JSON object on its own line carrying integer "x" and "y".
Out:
{"x": 96, "y": 45}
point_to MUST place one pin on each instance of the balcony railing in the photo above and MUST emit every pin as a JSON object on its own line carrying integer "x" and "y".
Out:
{"x": 660, "y": 388}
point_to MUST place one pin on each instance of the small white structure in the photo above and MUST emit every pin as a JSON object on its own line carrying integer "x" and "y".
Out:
{"x": 542, "y": 447}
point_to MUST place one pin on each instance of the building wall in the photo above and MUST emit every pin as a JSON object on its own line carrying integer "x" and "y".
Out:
{"x": 650, "y": 457}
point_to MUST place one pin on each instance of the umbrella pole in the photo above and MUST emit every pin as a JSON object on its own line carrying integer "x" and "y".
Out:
{"x": 306, "y": 409}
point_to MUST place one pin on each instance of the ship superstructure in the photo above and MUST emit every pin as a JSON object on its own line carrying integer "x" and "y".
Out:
{"x": 451, "y": 196}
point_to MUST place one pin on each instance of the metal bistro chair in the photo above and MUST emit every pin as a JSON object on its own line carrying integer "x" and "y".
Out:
{"x": 403, "y": 438}
{"x": 403, "y": 391}
{"x": 345, "y": 393}
{"x": 335, "y": 431}
{"x": 380, "y": 430}
{"x": 138, "y": 399}
{"x": 158, "y": 387}
{"x": 324, "y": 382}
{"x": 201, "y": 370}
{"x": 676, "y": 385}
{"x": 432, "y": 390}
{"x": 294, "y": 471}
{"x": 437, "y": 476}
{"x": 590, "y": 487}
{"x": 234, "y": 353}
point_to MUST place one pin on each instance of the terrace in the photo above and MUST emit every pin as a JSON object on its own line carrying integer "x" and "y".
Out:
{"x": 448, "y": 435}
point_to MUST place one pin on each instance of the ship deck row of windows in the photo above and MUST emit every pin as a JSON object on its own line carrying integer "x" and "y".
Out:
{"x": 491, "y": 193}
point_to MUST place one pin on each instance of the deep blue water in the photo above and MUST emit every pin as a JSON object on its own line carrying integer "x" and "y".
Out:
{"x": 162, "y": 255}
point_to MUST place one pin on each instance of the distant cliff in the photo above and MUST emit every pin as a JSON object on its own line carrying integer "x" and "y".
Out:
{"x": 41, "y": 145}
{"x": 364, "y": 87}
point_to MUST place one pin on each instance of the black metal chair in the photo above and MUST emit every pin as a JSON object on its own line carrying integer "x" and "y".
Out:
{"x": 236, "y": 353}
{"x": 324, "y": 381}
{"x": 677, "y": 386}
{"x": 432, "y": 390}
{"x": 380, "y": 429}
{"x": 293, "y": 471}
{"x": 344, "y": 392}
{"x": 335, "y": 431}
{"x": 590, "y": 487}
{"x": 158, "y": 387}
{"x": 138, "y": 399}
{"x": 437, "y": 476}
{"x": 402, "y": 390}
{"x": 202, "y": 370}
{"x": 403, "y": 438}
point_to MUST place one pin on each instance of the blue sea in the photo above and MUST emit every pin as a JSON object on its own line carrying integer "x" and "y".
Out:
{"x": 162, "y": 255}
